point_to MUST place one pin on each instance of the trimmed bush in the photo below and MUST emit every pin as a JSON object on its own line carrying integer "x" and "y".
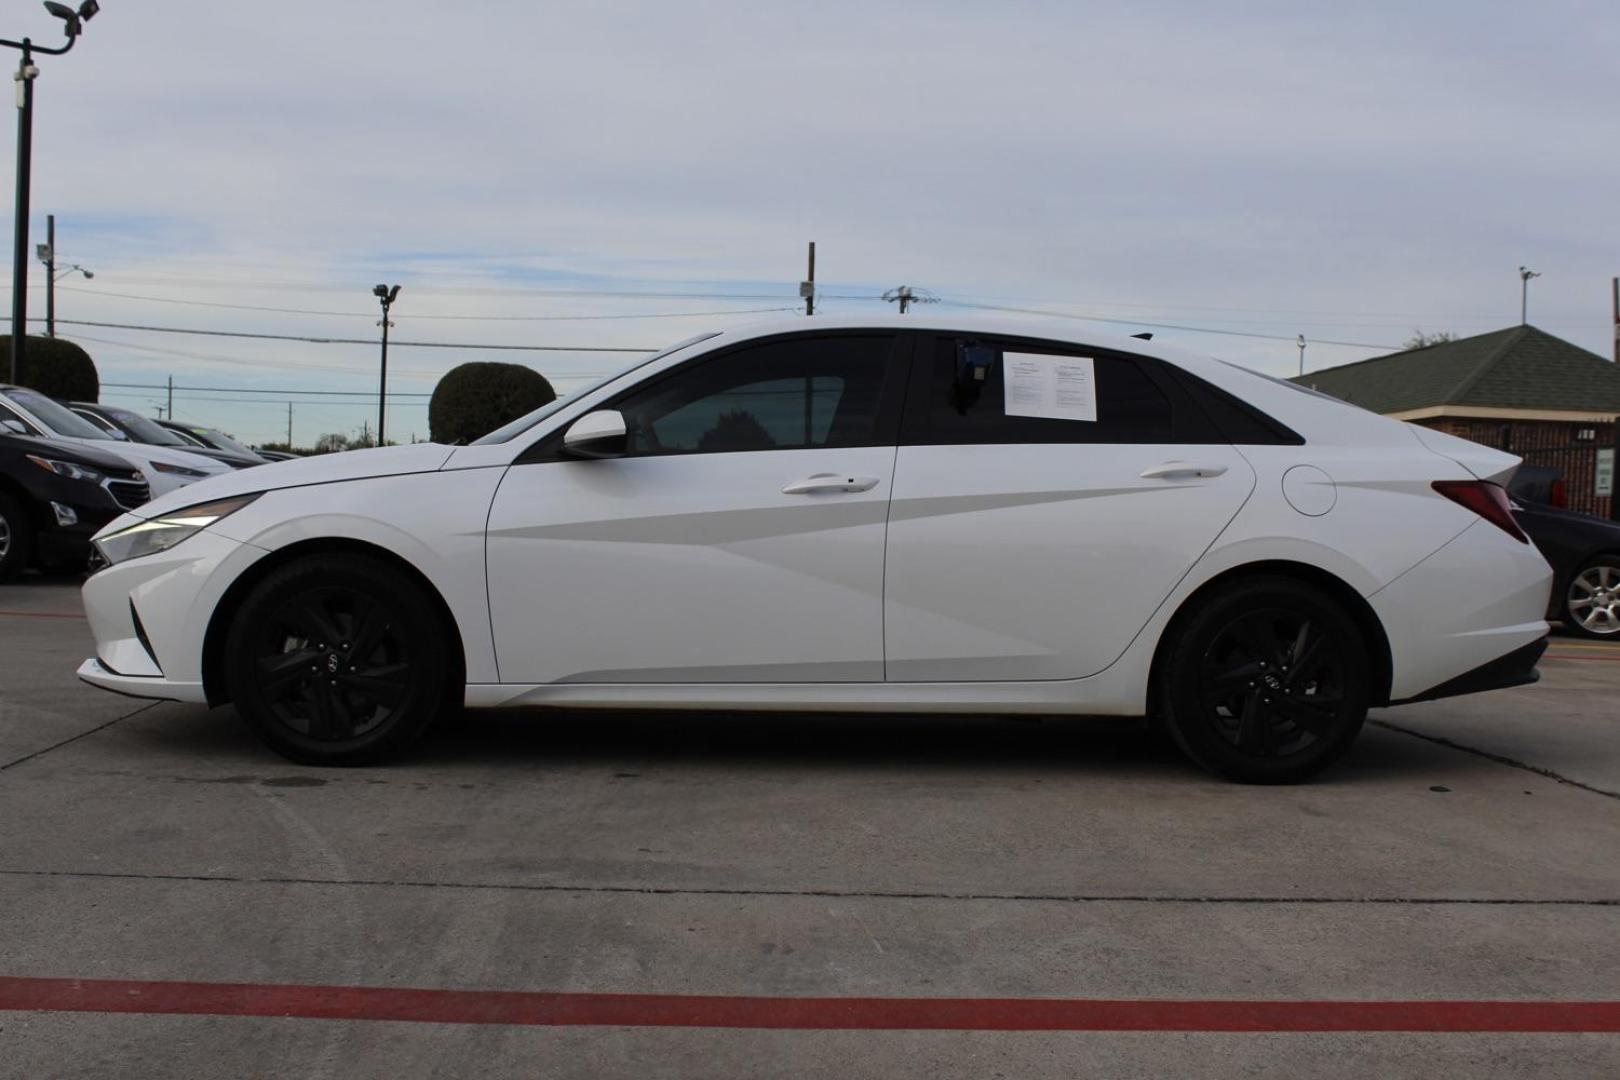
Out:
{"x": 474, "y": 399}
{"x": 55, "y": 367}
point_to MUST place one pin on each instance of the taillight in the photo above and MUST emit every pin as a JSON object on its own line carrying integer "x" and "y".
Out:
{"x": 1487, "y": 500}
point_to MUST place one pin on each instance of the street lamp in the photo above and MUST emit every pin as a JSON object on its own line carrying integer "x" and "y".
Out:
{"x": 47, "y": 255}
{"x": 1525, "y": 275}
{"x": 72, "y": 24}
{"x": 386, "y": 295}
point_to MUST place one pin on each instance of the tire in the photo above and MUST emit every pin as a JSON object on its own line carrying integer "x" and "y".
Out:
{"x": 16, "y": 538}
{"x": 1267, "y": 681}
{"x": 361, "y": 698}
{"x": 1591, "y": 606}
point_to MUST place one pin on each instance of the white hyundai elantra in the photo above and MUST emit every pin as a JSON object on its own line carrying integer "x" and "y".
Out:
{"x": 904, "y": 514}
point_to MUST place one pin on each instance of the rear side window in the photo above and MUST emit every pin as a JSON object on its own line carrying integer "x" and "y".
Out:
{"x": 984, "y": 391}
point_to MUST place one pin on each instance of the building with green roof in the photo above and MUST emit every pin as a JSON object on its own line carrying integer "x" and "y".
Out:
{"x": 1521, "y": 390}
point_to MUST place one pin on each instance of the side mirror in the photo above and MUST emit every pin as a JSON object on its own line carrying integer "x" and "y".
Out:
{"x": 599, "y": 434}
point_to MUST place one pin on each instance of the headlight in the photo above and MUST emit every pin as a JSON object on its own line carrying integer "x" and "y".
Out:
{"x": 66, "y": 468}
{"x": 162, "y": 533}
{"x": 179, "y": 470}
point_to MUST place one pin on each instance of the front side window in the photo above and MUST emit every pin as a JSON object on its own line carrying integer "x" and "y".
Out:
{"x": 790, "y": 394}
{"x": 989, "y": 391}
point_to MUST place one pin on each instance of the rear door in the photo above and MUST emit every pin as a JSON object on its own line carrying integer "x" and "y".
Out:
{"x": 1047, "y": 498}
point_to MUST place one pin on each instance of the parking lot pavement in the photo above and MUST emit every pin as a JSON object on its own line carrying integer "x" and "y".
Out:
{"x": 1464, "y": 853}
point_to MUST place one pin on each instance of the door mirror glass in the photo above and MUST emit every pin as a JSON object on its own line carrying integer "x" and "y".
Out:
{"x": 599, "y": 434}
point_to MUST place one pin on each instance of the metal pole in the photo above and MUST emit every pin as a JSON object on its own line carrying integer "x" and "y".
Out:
{"x": 289, "y": 427}
{"x": 171, "y": 397}
{"x": 19, "y": 260}
{"x": 50, "y": 275}
{"x": 382, "y": 388}
{"x": 1302, "y": 354}
{"x": 1614, "y": 283}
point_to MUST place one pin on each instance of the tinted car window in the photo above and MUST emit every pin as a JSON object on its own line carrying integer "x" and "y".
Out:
{"x": 969, "y": 398}
{"x": 789, "y": 394}
{"x": 59, "y": 418}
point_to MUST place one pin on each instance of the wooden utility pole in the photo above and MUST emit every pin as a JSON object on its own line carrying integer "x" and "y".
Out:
{"x": 289, "y": 427}
{"x": 170, "y": 412}
{"x": 807, "y": 287}
{"x": 1614, "y": 284}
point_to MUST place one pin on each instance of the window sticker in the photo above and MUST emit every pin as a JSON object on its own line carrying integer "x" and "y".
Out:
{"x": 1050, "y": 387}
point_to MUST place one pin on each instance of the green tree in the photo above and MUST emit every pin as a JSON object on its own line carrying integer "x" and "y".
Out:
{"x": 55, "y": 367}
{"x": 474, "y": 399}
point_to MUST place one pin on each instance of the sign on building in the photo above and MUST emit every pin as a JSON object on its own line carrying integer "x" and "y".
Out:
{"x": 1605, "y": 471}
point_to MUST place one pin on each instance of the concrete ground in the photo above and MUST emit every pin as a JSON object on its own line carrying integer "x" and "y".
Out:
{"x": 1468, "y": 850}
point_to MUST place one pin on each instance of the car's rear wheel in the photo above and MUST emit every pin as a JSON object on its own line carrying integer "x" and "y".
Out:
{"x": 16, "y": 538}
{"x": 1592, "y": 601}
{"x": 338, "y": 660}
{"x": 1267, "y": 682}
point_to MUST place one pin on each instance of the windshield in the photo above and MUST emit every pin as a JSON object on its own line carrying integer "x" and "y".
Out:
{"x": 144, "y": 430}
{"x": 59, "y": 418}
{"x": 221, "y": 441}
{"x": 523, "y": 423}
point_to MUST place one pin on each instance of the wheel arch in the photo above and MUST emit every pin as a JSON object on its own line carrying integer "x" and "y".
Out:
{"x": 1355, "y": 605}
{"x": 213, "y": 657}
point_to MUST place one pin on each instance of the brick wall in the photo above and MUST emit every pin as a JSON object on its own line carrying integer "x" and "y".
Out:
{"x": 1549, "y": 443}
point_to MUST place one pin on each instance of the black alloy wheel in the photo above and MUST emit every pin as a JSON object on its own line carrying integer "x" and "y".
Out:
{"x": 338, "y": 660}
{"x": 1267, "y": 682}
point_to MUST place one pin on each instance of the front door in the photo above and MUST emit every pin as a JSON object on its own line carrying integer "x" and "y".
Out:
{"x": 1046, "y": 501}
{"x": 740, "y": 539}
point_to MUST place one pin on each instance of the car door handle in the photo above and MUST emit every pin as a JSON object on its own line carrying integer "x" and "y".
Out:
{"x": 1180, "y": 470}
{"x": 825, "y": 483}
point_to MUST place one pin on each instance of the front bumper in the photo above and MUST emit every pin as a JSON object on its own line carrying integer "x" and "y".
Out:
{"x": 150, "y": 616}
{"x": 94, "y": 672}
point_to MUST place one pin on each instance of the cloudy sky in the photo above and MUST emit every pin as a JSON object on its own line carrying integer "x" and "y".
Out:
{"x": 1352, "y": 172}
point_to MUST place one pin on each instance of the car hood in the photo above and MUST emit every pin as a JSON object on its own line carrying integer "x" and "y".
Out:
{"x": 78, "y": 453}
{"x": 323, "y": 469}
{"x": 144, "y": 454}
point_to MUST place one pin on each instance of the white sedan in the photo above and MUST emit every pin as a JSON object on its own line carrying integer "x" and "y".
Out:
{"x": 903, "y": 514}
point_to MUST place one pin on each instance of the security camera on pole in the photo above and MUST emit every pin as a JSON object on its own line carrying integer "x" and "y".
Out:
{"x": 386, "y": 295}
{"x": 73, "y": 23}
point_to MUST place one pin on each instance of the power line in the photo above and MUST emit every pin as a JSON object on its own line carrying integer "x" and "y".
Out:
{"x": 351, "y": 341}
{"x": 1155, "y": 325}
{"x": 422, "y": 315}
{"x": 257, "y": 390}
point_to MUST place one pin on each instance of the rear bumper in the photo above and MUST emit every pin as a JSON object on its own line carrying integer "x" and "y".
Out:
{"x": 1517, "y": 668}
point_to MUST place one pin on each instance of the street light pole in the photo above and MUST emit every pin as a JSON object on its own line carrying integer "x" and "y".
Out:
{"x": 72, "y": 23}
{"x": 386, "y": 296}
{"x": 1524, "y": 294}
{"x": 26, "y": 72}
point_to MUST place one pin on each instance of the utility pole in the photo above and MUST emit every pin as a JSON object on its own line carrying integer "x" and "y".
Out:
{"x": 906, "y": 296}
{"x": 386, "y": 295}
{"x": 289, "y": 427}
{"x": 50, "y": 275}
{"x": 807, "y": 287}
{"x": 171, "y": 397}
{"x": 1524, "y": 294}
{"x": 1301, "y": 344}
{"x": 47, "y": 255}
{"x": 25, "y": 75}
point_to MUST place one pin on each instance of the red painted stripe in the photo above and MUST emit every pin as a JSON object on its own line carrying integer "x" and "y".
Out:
{"x": 43, "y": 614}
{"x": 804, "y": 1013}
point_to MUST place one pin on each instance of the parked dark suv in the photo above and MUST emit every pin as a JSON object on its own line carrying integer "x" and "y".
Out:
{"x": 54, "y": 496}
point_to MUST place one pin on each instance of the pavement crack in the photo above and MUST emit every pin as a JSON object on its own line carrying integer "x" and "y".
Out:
{"x": 836, "y": 894}
{"x": 75, "y": 738}
{"x": 1500, "y": 759}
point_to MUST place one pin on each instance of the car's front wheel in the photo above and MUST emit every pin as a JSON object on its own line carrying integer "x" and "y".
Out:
{"x": 1592, "y": 601}
{"x": 1266, "y": 682}
{"x": 338, "y": 660}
